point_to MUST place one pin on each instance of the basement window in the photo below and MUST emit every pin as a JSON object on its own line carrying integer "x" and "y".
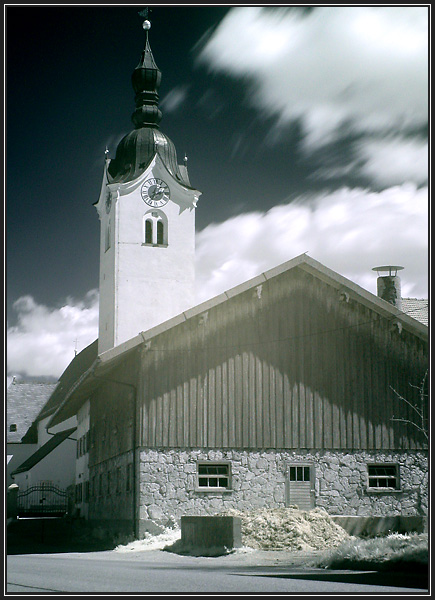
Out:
{"x": 13, "y": 427}
{"x": 383, "y": 477}
{"x": 211, "y": 476}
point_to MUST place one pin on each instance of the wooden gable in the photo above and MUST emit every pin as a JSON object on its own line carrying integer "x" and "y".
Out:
{"x": 293, "y": 362}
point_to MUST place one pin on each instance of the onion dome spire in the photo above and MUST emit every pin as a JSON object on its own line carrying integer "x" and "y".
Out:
{"x": 146, "y": 80}
{"x": 137, "y": 149}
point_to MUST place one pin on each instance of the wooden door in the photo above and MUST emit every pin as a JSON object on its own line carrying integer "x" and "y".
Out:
{"x": 301, "y": 486}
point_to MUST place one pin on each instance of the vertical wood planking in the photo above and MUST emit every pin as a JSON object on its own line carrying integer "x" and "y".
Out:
{"x": 238, "y": 396}
{"x": 377, "y": 398}
{"x": 272, "y": 405}
{"x": 245, "y": 399}
{"x": 279, "y": 394}
{"x": 259, "y": 402}
{"x": 193, "y": 408}
{"x": 309, "y": 344}
{"x": 232, "y": 414}
{"x": 302, "y": 370}
{"x": 288, "y": 443}
{"x": 252, "y": 403}
{"x": 266, "y": 405}
{"x": 231, "y": 401}
{"x": 211, "y": 409}
{"x": 218, "y": 406}
{"x": 340, "y": 358}
{"x": 355, "y": 370}
{"x": 372, "y": 393}
{"x": 153, "y": 406}
{"x": 225, "y": 406}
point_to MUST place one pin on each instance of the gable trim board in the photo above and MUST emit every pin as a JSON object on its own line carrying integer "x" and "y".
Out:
{"x": 72, "y": 398}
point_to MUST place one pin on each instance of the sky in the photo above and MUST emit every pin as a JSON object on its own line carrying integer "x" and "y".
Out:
{"x": 305, "y": 129}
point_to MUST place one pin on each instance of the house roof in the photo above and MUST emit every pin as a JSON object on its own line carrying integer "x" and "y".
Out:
{"x": 24, "y": 401}
{"x": 417, "y": 309}
{"x": 70, "y": 399}
{"x": 29, "y": 403}
{"x": 44, "y": 450}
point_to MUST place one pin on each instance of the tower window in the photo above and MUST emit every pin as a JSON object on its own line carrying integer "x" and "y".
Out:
{"x": 160, "y": 232}
{"x": 155, "y": 229}
{"x": 148, "y": 231}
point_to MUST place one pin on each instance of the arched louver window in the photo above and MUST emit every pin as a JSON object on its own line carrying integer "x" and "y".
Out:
{"x": 108, "y": 235}
{"x": 155, "y": 229}
{"x": 148, "y": 231}
{"x": 160, "y": 232}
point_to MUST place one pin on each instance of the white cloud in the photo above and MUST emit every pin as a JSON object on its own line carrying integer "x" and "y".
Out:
{"x": 365, "y": 67}
{"x": 43, "y": 341}
{"x": 174, "y": 98}
{"x": 395, "y": 160}
{"x": 349, "y": 231}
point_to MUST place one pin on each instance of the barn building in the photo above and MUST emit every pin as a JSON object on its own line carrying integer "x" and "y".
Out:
{"x": 286, "y": 390}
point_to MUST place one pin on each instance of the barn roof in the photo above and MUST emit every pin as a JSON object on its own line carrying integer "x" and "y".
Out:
{"x": 87, "y": 381}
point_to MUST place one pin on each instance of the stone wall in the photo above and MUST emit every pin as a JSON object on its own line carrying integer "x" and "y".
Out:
{"x": 259, "y": 479}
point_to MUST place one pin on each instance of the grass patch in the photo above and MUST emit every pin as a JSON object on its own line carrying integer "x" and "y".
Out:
{"x": 393, "y": 552}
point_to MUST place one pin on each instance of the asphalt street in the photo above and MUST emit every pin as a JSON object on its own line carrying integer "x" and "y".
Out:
{"x": 156, "y": 571}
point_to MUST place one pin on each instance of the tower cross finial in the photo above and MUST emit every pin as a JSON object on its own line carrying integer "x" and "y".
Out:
{"x": 144, "y": 13}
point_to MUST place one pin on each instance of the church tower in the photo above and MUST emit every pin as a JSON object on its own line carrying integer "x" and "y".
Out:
{"x": 147, "y": 217}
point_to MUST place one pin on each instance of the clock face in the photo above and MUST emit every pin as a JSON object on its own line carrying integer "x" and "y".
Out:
{"x": 155, "y": 192}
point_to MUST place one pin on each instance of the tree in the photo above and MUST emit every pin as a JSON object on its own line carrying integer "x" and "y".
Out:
{"x": 420, "y": 420}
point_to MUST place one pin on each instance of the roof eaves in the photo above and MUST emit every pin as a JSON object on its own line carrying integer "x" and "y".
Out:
{"x": 55, "y": 419}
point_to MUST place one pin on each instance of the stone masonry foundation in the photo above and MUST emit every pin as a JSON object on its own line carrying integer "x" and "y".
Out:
{"x": 259, "y": 479}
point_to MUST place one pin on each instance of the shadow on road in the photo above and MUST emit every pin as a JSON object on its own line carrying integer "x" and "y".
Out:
{"x": 378, "y": 578}
{"x": 50, "y": 536}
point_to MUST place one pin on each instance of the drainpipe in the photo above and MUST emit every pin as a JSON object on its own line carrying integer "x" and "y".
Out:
{"x": 135, "y": 508}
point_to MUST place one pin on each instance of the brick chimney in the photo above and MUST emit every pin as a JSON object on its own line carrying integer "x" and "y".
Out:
{"x": 389, "y": 287}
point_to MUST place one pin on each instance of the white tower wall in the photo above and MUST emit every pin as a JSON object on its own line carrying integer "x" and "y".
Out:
{"x": 142, "y": 285}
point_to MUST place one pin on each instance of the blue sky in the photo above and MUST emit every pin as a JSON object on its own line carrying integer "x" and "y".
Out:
{"x": 305, "y": 130}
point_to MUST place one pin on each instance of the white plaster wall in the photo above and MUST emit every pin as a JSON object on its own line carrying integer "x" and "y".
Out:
{"x": 58, "y": 466}
{"x": 18, "y": 453}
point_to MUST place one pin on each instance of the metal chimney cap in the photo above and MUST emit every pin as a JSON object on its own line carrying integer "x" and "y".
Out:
{"x": 389, "y": 268}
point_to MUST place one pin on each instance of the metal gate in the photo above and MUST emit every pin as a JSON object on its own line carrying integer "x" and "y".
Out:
{"x": 42, "y": 500}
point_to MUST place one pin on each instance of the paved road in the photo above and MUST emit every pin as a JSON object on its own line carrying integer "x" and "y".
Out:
{"x": 157, "y": 571}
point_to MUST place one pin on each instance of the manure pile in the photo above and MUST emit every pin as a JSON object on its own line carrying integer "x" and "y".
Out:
{"x": 289, "y": 528}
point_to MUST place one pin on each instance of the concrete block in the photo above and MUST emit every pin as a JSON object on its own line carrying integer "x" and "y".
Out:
{"x": 373, "y": 526}
{"x": 211, "y": 532}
